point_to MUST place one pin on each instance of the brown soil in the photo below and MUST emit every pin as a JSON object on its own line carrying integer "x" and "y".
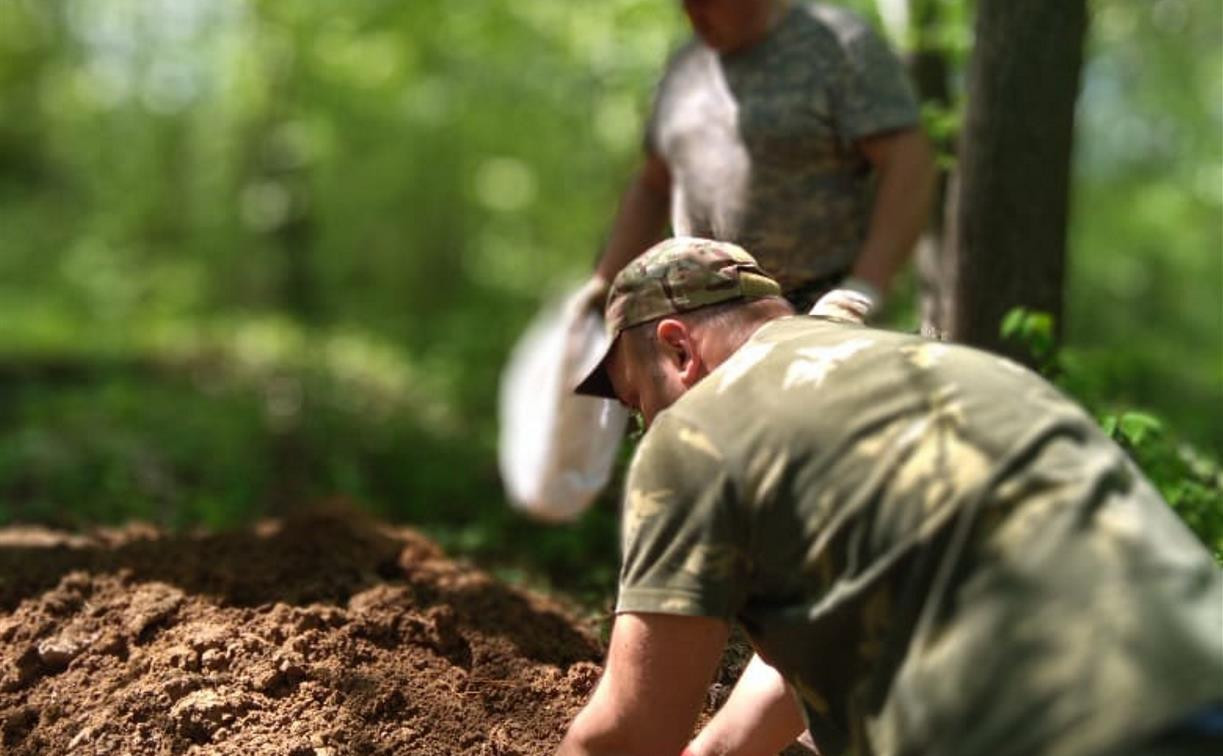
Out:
{"x": 318, "y": 635}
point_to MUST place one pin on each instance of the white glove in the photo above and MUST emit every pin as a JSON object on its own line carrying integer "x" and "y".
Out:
{"x": 866, "y": 289}
{"x": 846, "y": 305}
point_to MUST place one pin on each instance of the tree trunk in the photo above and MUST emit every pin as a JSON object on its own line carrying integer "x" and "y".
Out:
{"x": 1008, "y": 218}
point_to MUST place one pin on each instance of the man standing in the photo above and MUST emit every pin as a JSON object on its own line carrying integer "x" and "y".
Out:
{"x": 787, "y": 127}
{"x": 932, "y": 550}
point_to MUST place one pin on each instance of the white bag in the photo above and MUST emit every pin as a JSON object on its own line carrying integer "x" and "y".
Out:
{"x": 555, "y": 448}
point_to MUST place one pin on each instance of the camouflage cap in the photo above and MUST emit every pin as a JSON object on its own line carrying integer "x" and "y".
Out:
{"x": 673, "y": 276}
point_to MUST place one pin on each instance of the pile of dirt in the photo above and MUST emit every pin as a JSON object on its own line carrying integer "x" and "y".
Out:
{"x": 318, "y": 635}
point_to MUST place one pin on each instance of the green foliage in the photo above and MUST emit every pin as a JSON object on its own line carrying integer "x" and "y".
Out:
{"x": 259, "y": 419}
{"x": 1189, "y": 480}
{"x": 1032, "y": 329}
{"x": 257, "y": 254}
{"x": 1143, "y": 292}
{"x": 254, "y": 253}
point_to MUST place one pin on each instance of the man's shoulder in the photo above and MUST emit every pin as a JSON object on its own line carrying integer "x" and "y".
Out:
{"x": 724, "y": 420}
{"x": 764, "y": 360}
{"x": 831, "y": 31}
{"x": 686, "y": 56}
{"x": 797, "y": 332}
{"x": 839, "y": 21}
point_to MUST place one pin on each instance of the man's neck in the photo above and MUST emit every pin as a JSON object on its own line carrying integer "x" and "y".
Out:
{"x": 776, "y": 12}
{"x": 726, "y": 343}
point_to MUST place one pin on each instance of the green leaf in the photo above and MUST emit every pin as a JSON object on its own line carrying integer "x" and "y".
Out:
{"x": 1012, "y": 322}
{"x": 1032, "y": 329}
{"x": 1109, "y": 424}
{"x": 1137, "y": 427}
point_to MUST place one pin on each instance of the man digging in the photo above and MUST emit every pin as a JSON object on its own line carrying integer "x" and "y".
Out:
{"x": 931, "y": 549}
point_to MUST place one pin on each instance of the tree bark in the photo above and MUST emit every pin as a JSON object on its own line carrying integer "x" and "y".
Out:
{"x": 1007, "y": 222}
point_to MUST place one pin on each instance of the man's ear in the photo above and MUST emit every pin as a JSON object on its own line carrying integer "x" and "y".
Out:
{"x": 680, "y": 349}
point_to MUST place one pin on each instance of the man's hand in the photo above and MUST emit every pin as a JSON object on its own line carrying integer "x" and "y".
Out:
{"x": 760, "y": 718}
{"x": 593, "y": 294}
{"x": 658, "y": 671}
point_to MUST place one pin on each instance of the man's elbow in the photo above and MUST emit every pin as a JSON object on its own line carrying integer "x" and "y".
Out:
{"x": 911, "y": 160}
{"x": 909, "y": 146}
{"x": 925, "y": 156}
{"x": 914, "y": 148}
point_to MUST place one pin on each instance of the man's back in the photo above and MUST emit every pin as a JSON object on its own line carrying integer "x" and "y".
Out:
{"x": 941, "y": 552}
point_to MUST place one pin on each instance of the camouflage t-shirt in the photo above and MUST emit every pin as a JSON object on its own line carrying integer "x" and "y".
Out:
{"x": 760, "y": 143}
{"x": 940, "y": 552}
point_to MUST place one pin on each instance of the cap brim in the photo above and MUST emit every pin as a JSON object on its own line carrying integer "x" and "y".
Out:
{"x": 597, "y": 382}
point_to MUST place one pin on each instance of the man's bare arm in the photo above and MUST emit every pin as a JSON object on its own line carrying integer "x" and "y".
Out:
{"x": 658, "y": 671}
{"x": 760, "y": 718}
{"x": 641, "y": 219}
{"x": 904, "y": 166}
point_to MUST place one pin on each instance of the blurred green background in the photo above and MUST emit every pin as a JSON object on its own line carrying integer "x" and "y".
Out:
{"x": 256, "y": 254}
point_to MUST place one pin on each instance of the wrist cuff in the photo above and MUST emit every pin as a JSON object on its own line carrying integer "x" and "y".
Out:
{"x": 866, "y": 289}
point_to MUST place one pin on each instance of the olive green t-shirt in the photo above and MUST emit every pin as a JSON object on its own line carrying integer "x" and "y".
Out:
{"x": 938, "y": 551}
{"x": 761, "y": 143}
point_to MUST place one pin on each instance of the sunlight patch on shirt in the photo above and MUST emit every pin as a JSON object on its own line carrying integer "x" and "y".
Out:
{"x": 765, "y": 468}
{"x": 770, "y": 479}
{"x": 1121, "y": 521}
{"x": 641, "y": 506}
{"x": 700, "y": 442}
{"x": 875, "y": 444}
{"x": 715, "y": 561}
{"x": 818, "y": 362}
{"x": 925, "y": 355}
{"x": 748, "y": 357}
{"x": 1011, "y": 366}
{"x": 942, "y": 464}
{"x": 679, "y": 606}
